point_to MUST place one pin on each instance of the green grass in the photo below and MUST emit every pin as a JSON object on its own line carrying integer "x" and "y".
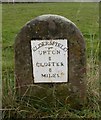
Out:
{"x": 86, "y": 17}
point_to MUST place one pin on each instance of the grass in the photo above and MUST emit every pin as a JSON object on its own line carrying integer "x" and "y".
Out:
{"x": 86, "y": 17}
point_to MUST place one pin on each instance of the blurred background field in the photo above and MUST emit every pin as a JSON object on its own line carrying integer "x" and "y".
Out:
{"x": 86, "y": 17}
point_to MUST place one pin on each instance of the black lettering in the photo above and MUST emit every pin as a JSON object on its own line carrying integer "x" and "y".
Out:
{"x": 54, "y": 75}
{"x": 58, "y": 75}
{"x": 58, "y": 51}
{"x": 44, "y": 52}
{"x": 54, "y": 43}
{"x": 38, "y": 64}
{"x": 40, "y": 52}
{"x": 50, "y": 58}
{"x": 34, "y": 48}
{"x": 48, "y": 52}
{"x": 57, "y": 64}
{"x": 62, "y": 64}
{"x": 50, "y": 70}
{"x": 65, "y": 49}
{"x": 44, "y": 75}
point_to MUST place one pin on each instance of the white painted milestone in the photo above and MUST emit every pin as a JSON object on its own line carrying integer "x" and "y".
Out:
{"x": 50, "y": 60}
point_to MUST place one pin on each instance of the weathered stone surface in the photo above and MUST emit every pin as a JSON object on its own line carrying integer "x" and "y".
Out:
{"x": 50, "y": 27}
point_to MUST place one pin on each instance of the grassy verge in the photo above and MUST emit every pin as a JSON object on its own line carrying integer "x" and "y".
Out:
{"x": 85, "y": 16}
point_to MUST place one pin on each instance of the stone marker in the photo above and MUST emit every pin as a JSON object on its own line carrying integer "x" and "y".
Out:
{"x": 50, "y": 59}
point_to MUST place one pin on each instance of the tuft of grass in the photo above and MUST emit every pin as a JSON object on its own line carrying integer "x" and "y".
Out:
{"x": 38, "y": 108}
